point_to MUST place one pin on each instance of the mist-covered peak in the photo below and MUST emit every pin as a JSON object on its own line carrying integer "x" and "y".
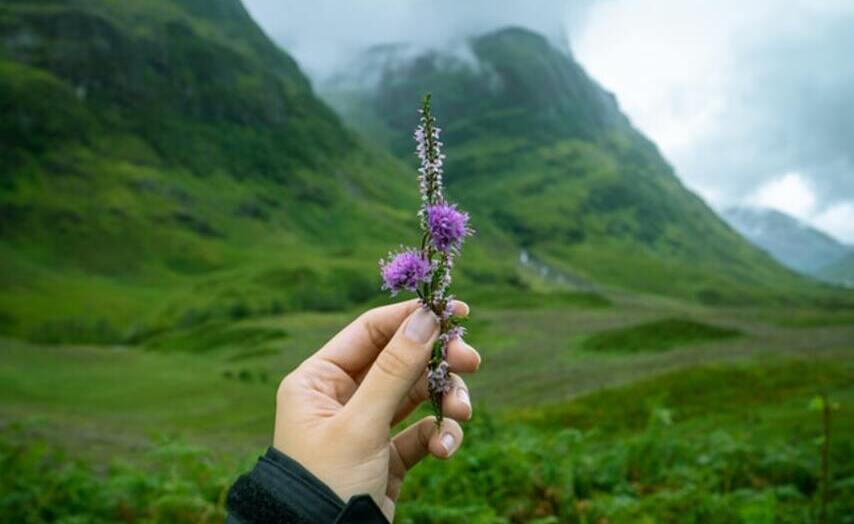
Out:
{"x": 511, "y": 82}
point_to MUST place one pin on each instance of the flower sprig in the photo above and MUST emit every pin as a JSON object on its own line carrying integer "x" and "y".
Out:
{"x": 426, "y": 270}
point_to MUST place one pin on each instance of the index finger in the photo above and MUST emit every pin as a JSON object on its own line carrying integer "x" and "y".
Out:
{"x": 356, "y": 346}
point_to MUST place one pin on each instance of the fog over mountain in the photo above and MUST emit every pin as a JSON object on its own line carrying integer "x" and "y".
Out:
{"x": 750, "y": 101}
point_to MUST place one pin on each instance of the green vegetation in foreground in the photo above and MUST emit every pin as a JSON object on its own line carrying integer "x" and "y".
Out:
{"x": 649, "y": 456}
{"x": 659, "y": 335}
{"x": 179, "y": 484}
{"x": 720, "y": 444}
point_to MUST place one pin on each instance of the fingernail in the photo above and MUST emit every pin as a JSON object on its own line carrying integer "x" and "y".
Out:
{"x": 473, "y": 350}
{"x": 448, "y": 442}
{"x": 463, "y": 395}
{"x": 466, "y": 308}
{"x": 421, "y": 326}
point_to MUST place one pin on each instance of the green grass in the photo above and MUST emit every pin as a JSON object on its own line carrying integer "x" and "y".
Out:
{"x": 720, "y": 444}
{"x": 561, "y": 434}
{"x": 648, "y": 453}
{"x": 660, "y": 335}
{"x": 179, "y": 484}
{"x": 703, "y": 394}
{"x": 213, "y": 336}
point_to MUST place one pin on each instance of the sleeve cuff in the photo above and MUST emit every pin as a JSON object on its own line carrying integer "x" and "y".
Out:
{"x": 280, "y": 490}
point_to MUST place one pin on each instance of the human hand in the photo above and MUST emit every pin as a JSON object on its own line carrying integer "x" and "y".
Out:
{"x": 334, "y": 412}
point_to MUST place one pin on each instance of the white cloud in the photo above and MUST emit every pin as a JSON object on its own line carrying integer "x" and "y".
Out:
{"x": 838, "y": 220}
{"x": 791, "y": 193}
{"x": 325, "y": 34}
{"x": 736, "y": 93}
{"x": 668, "y": 62}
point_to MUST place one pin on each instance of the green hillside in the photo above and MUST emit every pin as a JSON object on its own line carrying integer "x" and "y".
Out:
{"x": 163, "y": 163}
{"x": 167, "y": 166}
{"x": 538, "y": 149}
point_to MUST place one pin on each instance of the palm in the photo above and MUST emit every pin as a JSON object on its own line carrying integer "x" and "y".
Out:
{"x": 331, "y": 398}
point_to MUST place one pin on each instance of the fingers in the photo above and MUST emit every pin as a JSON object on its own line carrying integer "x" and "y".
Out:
{"x": 356, "y": 346}
{"x": 456, "y": 403}
{"x": 423, "y": 437}
{"x": 462, "y": 357}
{"x": 396, "y": 368}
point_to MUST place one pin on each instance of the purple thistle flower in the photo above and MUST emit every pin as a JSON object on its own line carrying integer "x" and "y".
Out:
{"x": 405, "y": 271}
{"x": 447, "y": 225}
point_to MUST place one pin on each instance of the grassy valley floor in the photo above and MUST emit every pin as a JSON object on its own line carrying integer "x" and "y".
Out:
{"x": 646, "y": 410}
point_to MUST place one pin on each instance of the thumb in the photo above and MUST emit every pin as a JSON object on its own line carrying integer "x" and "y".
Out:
{"x": 397, "y": 367}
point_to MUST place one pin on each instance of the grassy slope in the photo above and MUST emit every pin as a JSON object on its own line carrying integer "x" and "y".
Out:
{"x": 659, "y": 335}
{"x": 166, "y": 165}
{"x": 539, "y": 149}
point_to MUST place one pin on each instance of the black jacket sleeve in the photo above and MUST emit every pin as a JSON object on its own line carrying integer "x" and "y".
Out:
{"x": 280, "y": 491}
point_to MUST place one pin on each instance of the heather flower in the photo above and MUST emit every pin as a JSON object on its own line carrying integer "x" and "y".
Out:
{"x": 456, "y": 332}
{"x": 438, "y": 380}
{"x": 427, "y": 271}
{"x": 448, "y": 311}
{"x": 447, "y": 225}
{"x": 405, "y": 271}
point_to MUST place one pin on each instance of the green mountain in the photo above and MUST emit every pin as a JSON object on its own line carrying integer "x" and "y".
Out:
{"x": 166, "y": 166}
{"x": 538, "y": 149}
{"x": 792, "y": 242}
{"x": 164, "y": 162}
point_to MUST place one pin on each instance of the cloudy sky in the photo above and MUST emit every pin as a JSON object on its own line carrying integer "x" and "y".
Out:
{"x": 752, "y": 101}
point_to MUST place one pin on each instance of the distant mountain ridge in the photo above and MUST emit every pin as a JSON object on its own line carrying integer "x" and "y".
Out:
{"x": 540, "y": 150}
{"x": 794, "y": 243}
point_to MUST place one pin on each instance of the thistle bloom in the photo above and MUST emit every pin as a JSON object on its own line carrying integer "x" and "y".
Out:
{"x": 448, "y": 226}
{"x": 405, "y": 271}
